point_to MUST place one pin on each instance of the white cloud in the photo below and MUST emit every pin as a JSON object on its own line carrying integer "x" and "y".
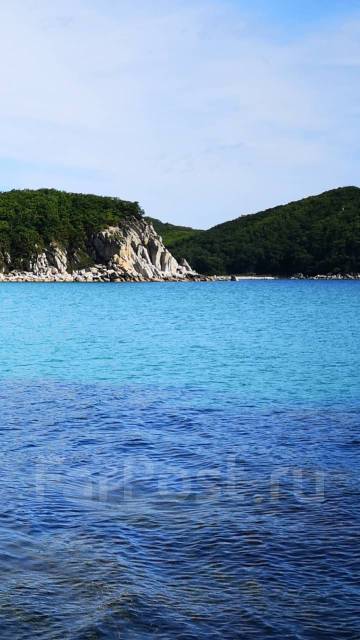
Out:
{"x": 188, "y": 107}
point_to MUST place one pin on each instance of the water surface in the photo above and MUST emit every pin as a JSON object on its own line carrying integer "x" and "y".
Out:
{"x": 180, "y": 460}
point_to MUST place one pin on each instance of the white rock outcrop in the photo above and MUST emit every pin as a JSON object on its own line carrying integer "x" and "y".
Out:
{"x": 52, "y": 258}
{"x": 131, "y": 251}
{"x": 135, "y": 249}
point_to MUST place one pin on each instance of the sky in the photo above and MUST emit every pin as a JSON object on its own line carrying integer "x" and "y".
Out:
{"x": 201, "y": 110}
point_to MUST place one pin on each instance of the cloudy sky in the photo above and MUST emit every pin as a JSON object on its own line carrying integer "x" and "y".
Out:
{"x": 200, "y": 109}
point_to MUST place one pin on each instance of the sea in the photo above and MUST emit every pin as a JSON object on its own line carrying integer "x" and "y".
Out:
{"x": 180, "y": 461}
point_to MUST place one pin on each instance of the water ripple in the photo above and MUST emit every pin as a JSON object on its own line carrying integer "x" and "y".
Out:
{"x": 140, "y": 531}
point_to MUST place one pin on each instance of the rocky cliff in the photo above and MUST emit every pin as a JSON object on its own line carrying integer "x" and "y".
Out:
{"x": 132, "y": 250}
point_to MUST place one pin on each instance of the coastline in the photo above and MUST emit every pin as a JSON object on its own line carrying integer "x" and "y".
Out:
{"x": 101, "y": 275}
{"x": 110, "y": 276}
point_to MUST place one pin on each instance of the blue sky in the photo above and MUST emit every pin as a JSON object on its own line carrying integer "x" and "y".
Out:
{"x": 200, "y": 109}
{"x": 299, "y": 13}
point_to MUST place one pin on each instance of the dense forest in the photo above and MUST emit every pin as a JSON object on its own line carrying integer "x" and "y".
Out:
{"x": 30, "y": 220}
{"x": 320, "y": 234}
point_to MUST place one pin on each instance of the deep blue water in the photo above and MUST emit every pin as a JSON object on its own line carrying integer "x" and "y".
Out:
{"x": 180, "y": 461}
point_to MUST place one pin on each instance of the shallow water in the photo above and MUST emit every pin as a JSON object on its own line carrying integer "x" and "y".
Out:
{"x": 180, "y": 461}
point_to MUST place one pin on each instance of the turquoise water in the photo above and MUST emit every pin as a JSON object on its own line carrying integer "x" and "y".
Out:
{"x": 180, "y": 460}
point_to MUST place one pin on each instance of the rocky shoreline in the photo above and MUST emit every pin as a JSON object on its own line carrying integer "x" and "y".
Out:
{"x": 102, "y": 273}
{"x": 328, "y": 276}
{"x": 97, "y": 273}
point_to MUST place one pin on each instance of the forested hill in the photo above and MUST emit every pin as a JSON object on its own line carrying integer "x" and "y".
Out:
{"x": 320, "y": 234}
{"x": 31, "y": 219}
{"x": 172, "y": 233}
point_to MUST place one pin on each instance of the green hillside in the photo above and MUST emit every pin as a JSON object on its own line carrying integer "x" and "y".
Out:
{"x": 172, "y": 233}
{"x": 319, "y": 234}
{"x": 30, "y": 220}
